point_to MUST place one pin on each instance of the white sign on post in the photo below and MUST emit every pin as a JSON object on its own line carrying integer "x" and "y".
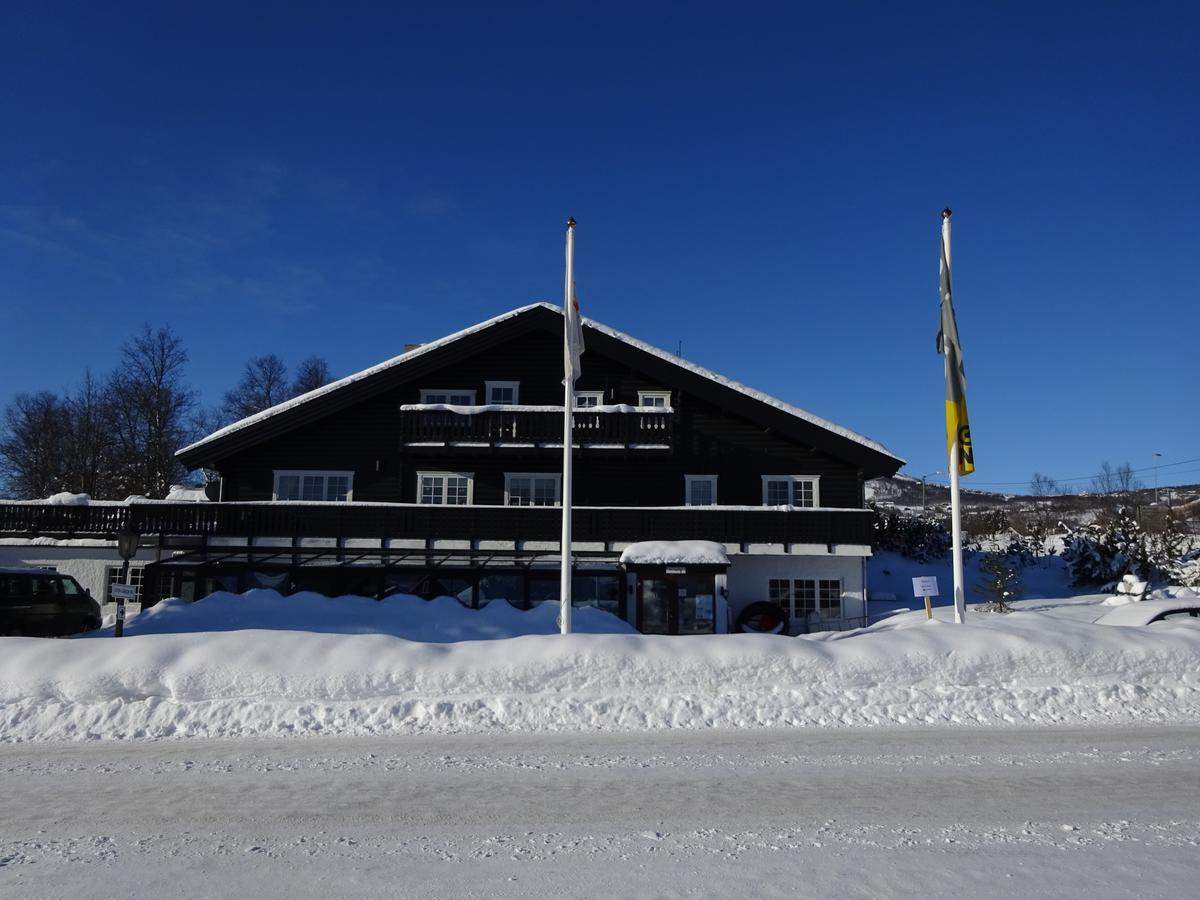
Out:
{"x": 124, "y": 592}
{"x": 925, "y": 586}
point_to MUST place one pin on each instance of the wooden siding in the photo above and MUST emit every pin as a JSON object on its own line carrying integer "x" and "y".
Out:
{"x": 708, "y": 440}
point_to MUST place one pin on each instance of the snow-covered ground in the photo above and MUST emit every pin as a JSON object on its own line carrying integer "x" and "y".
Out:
{"x": 933, "y": 812}
{"x": 353, "y": 666}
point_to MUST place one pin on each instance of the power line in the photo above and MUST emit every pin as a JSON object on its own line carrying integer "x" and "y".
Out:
{"x": 1085, "y": 477}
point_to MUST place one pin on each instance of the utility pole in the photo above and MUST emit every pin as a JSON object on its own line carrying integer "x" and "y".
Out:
{"x": 923, "y": 477}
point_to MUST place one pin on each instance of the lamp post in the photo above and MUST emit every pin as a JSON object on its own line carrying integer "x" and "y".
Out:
{"x": 127, "y": 547}
{"x": 1157, "y": 457}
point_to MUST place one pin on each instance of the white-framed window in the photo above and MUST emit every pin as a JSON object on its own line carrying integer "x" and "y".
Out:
{"x": 829, "y": 597}
{"x": 113, "y": 575}
{"x": 588, "y": 399}
{"x": 308, "y": 484}
{"x": 445, "y": 488}
{"x": 507, "y": 393}
{"x": 532, "y": 489}
{"x": 445, "y": 395}
{"x": 654, "y": 399}
{"x": 700, "y": 490}
{"x": 791, "y": 490}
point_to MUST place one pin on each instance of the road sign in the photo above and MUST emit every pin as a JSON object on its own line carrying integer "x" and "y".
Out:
{"x": 124, "y": 592}
{"x": 925, "y": 586}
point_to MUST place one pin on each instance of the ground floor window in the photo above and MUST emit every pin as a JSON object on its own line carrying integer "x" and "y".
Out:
{"x": 112, "y": 575}
{"x": 444, "y": 488}
{"x": 801, "y": 596}
{"x": 312, "y": 485}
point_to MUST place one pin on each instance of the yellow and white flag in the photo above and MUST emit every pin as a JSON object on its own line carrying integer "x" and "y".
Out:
{"x": 958, "y": 424}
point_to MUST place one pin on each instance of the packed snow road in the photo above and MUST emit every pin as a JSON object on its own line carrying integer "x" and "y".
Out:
{"x": 1017, "y": 812}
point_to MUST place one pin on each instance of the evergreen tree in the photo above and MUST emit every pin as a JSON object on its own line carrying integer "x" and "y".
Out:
{"x": 1001, "y": 583}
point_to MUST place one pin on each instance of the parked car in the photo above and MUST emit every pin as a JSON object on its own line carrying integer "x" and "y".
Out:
{"x": 1177, "y": 611}
{"x": 44, "y": 603}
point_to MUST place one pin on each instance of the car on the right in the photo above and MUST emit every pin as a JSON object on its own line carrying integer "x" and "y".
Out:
{"x": 1181, "y": 610}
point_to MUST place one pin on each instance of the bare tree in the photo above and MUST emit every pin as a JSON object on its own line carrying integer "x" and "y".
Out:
{"x": 1126, "y": 480}
{"x": 311, "y": 374}
{"x": 1105, "y": 481}
{"x": 264, "y": 383}
{"x": 86, "y": 453}
{"x": 1042, "y": 485}
{"x": 150, "y": 413}
{"x": 32, "y": 438}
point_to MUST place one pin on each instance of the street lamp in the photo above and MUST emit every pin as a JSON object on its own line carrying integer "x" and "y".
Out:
{"x": 1157, "y": 457}
{"x": 127, "y": 547}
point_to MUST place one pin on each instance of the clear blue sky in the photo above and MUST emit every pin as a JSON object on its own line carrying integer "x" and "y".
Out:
{"x": 761, "y": 182}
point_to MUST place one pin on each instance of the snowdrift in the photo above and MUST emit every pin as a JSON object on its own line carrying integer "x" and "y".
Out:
{"x": 441, "y": 620}
{"x": 1027, "y": 667}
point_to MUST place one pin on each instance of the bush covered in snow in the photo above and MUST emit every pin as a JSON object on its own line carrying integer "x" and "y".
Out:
{"x": 1103, "y": 552}
{"x": 919, "y": 537}
{"x": 1000, "y": 582}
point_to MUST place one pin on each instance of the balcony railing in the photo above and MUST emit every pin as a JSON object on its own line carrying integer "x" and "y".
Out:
{"x": 536, "y": 426}
{"x": 728, "y": 525}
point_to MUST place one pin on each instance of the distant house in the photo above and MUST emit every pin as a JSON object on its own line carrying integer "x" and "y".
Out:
{"x": 438, "y": 472}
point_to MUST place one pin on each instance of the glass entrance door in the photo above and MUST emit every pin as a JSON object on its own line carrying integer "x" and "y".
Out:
{"x": 677, "y": 604}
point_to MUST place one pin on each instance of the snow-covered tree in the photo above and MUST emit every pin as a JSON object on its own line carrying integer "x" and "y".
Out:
{"x": 1001, "y": 582}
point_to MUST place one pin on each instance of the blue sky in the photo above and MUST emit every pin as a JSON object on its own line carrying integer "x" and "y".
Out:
{"x": 760, "y": 182}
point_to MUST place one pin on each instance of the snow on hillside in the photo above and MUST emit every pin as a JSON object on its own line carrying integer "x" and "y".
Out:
{"x": 1028, "y": 667}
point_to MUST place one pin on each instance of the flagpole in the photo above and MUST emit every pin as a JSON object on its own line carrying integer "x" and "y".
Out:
{"x": 955, "y": 504}
{"x": 564, "y": 591}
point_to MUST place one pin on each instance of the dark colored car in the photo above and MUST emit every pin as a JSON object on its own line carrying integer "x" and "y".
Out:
{"x": 44, "y": 603}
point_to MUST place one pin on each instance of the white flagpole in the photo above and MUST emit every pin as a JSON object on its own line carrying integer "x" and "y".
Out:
{"x": 960, "y": 605}
{"x": 564, "y": 591}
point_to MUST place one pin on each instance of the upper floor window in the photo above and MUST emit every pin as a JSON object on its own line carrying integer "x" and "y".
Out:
{"x": 303, "y": 484}
{"x": 532, "y": 489}
{"x": 451, "y": 397}
{"x": 588, "y": 399}
{"x": 504, "y": 392}
{"x": 700, "y": 490}
{"x": 445, "y": 488}
{"x": 655, "y": 399}
{"x": 791, "y": 490}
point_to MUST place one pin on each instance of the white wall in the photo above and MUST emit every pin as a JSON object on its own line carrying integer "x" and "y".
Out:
{"x": 85, "y": 564}
{"x": 749, "y": 573}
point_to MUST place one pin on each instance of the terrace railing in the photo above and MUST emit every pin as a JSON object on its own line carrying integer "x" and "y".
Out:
{"x": 729, "y": 525}
{"x": 539, "y": 426}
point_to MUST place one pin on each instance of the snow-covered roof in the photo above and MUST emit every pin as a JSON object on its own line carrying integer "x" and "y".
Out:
{"x": 675, "y": 553}
{"x": 432, "y": 346}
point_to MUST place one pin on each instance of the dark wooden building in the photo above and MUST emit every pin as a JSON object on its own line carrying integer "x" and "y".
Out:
{"x": 438, "y": 472}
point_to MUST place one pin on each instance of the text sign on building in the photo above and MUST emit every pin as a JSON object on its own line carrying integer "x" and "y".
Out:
{"x": 124, "y": 592}
{"x": 925, "y": 586}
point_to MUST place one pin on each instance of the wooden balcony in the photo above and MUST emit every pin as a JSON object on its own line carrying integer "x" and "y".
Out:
{"x": 166, "y": 520}
{"x": 613, "y": 427}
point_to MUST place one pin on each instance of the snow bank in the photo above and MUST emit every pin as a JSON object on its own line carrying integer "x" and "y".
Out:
{"x": 441, "y": 620}
{"x": 675, "y": 553}
{"x": 1026, "y": 667}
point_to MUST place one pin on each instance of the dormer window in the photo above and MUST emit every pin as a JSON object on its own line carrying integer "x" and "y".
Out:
{"x": 447, "y": 396}
{"x": 504, "y": 393}
{"x": 654, "y": 399}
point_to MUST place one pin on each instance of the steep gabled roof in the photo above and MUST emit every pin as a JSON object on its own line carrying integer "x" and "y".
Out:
{"x": 875, "y": 458}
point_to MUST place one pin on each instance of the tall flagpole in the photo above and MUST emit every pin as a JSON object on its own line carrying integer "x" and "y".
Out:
{"x": 564, "y": 591}
{"x": 960, "y": 604}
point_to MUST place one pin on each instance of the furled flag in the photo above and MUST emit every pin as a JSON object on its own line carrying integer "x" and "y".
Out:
{"x": 573, "y": 344}
{"x": 958, "y": 425}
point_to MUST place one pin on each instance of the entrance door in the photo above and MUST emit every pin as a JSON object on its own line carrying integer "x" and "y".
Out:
{"x": 677, "y": 604}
